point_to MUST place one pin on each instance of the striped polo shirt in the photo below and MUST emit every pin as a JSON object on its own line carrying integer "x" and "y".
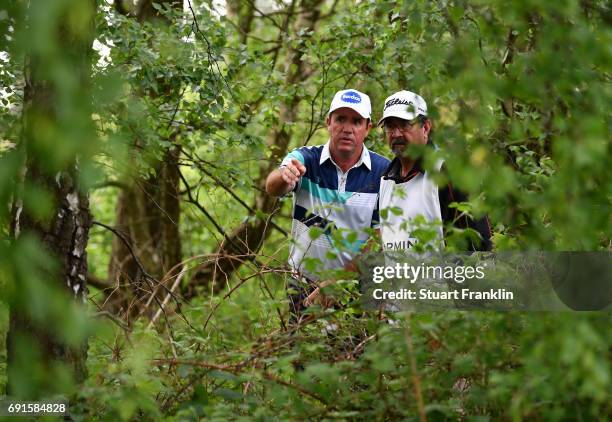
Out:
{"x": 340, "y": 205}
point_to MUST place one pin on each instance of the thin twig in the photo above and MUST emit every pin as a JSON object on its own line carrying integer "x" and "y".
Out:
{"x": 235, "y": 369}
{"x": 416, "y": 382}
{"x": 167, "y": 298}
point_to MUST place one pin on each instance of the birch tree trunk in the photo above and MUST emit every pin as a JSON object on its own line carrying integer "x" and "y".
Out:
{"x": 64, "y": 234}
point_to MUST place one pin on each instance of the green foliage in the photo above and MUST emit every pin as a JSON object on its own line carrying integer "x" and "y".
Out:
{"x": 519, "y": 95}
{"x": 29, "y": 282}
{"x": 504, "y": 365}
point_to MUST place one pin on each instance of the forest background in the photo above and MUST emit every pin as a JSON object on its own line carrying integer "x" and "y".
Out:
{"x": 142, "y": 266}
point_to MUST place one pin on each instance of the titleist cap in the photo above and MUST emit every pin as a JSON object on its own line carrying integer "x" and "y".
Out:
{"x": 404, "y": 105}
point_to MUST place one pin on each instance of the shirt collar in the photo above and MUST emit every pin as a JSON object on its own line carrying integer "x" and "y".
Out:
{"x": 363, "y": 159}
{"x": 394, "y": 171}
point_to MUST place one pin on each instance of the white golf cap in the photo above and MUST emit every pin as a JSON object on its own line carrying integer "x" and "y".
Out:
{"x": 351, "y": 98}
{"x": 404, "y": 105}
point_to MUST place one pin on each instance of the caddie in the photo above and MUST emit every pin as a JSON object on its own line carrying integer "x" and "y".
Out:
{"x": 407, "y": 189}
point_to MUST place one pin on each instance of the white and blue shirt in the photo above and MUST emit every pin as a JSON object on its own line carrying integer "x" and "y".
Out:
{"x": 341, "y": 205}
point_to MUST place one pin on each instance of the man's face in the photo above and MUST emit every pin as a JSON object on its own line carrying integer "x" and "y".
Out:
{"x": 347, "y": 130}
{"x": 400, "y": 133}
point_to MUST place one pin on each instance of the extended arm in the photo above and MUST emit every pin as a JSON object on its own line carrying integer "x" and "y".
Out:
{"x": 283, "y": 180}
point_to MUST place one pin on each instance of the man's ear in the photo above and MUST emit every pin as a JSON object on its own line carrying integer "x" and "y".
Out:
{"x": 427, "y": 127}
{"x": 328, "y": 121}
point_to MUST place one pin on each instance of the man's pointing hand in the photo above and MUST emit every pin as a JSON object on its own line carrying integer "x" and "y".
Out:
{"x": 292, "y": 172}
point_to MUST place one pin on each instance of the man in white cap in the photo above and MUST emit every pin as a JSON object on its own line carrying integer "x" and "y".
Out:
{"x": 335, "y": 190}
{"x": 408, "y": 195}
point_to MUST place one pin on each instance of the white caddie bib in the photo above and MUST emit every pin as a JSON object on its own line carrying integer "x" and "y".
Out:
{"x": 404, "y": 202}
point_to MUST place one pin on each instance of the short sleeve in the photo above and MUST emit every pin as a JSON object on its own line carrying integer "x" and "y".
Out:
{"x": 295, "y": 154}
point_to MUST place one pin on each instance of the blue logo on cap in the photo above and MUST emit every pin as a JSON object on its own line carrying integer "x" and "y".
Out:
{"x": 351, "y": 97}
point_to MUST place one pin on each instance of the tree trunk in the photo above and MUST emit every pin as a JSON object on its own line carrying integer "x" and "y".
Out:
{"x": 148, "y": 214}
{"x": 64, "y": 234}
{"x": 64, "y": 238}
{"x": 242, "y": 12}
{"x": 246, "y": 239}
